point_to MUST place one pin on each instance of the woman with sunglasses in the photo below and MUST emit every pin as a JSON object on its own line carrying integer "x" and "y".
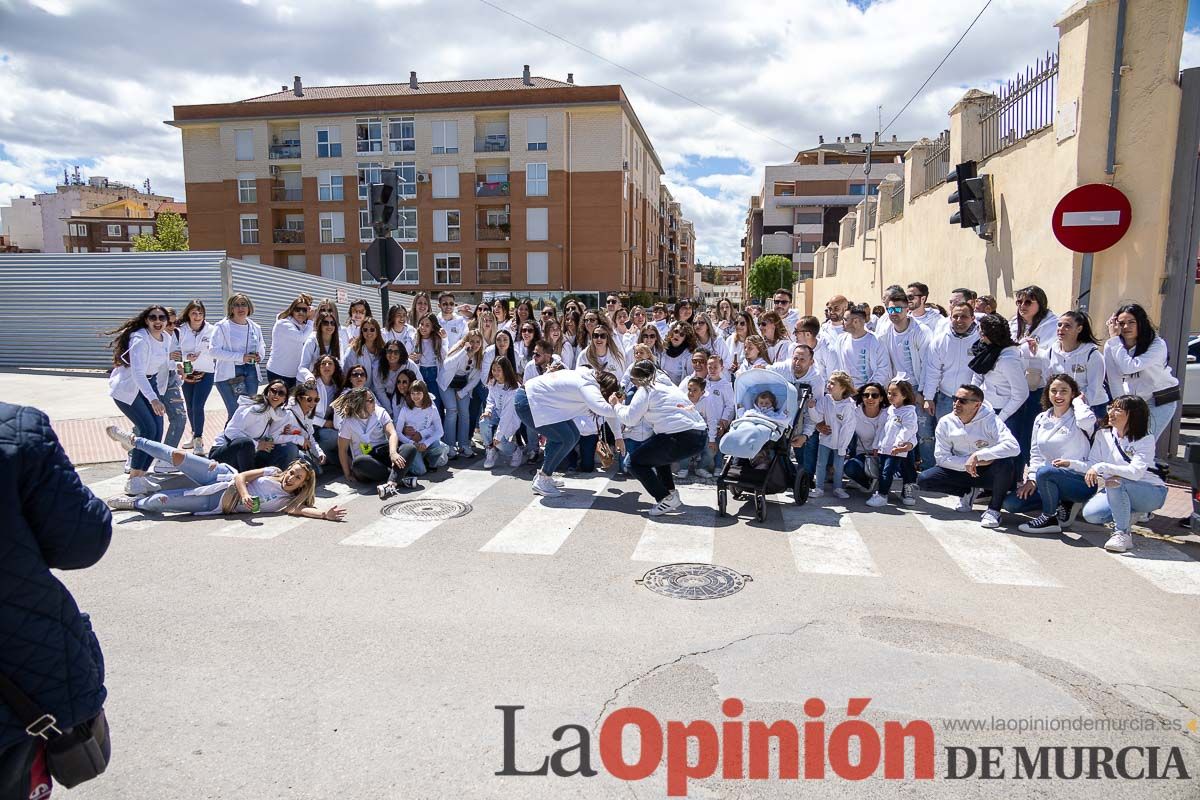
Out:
{"x": 457, "y": 378}
{"x": 368, "y": 448}
{"x": 296, "y": 433}
{"x": 288, "y": 336}
{"x": 325, "y": 340}
{"x": 194, "y": 337}
{"x": 220, "y": 489}
{"x": 743, "y": 329}
{"x": 677, "y": 351}
{"x": 328, "y": 385}
{"x": 366, "y": 348}
{"x": 709, "y": 337}
{"x": 248, "y": 440}
{"x": 651, "y": 338}
{"x": 394, "y": 359}
{"x": 862, "y": 468}
{"x": 356, "y": 377}
{"x": 1033, "y": 327}
{"x": 1136, "y": 362}
{"x": 601, "y": 353}
{"x": 238, "y": 347}
{"x": 527, "y": 336}
{"x": 138, "y": 382}
{"x": 775, "y": 334}
{"x": 397, "y": 328}
{"x": 724, "y": 319}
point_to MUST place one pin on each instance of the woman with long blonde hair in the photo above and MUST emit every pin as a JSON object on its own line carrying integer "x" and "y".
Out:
{"x": 459, "y": 374}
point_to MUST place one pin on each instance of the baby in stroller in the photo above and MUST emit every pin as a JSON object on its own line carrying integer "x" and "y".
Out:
{"x": 766, "y": 407}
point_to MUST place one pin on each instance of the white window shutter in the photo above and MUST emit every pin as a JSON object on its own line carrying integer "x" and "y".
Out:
{"x": 536, "y": 225}
{"x": 537, "y": 268}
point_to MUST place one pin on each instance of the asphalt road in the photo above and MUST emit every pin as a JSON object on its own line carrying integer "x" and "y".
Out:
{"x": 283, "y": 658}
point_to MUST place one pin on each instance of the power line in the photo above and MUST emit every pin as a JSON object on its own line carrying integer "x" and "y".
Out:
{"x": 640, "y": 76}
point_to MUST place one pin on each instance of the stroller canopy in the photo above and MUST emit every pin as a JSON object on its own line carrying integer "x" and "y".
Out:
{"x": 752, "y": 383}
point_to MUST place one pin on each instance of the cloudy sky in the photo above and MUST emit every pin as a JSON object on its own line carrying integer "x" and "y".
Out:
{"x": 89, "y": 82}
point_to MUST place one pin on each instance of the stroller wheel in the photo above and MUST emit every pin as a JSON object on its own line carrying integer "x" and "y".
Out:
{"x": 801, "y": 487}
{"x": 722, "y": 502}
{"x": 760, "y": 507}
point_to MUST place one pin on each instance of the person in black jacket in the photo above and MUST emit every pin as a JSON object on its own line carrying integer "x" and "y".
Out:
{"x": 48, "y": 519}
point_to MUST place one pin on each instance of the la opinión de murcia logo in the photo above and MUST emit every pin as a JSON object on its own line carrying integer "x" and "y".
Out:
{"x": 853, "y": 749}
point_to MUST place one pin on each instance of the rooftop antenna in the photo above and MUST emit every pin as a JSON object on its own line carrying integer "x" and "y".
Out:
{"x": 146, "y": 183}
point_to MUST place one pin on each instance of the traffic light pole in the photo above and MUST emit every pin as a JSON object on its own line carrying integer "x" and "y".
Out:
{"x": 383, "y": 291}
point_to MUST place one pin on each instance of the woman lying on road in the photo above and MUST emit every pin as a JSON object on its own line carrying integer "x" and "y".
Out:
{"x": 220, "y": 489}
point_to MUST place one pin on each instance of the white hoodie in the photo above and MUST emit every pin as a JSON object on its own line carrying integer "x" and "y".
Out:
{"x": 249, "y": 422}
{"x": 985, "y": 435}
{"x": 906, "y": 351}
{"x": 564, "y": 395}
{"x": 1085, "y": 364}
{"x": 287, "y": 346}
{"x": 899, "y": 428}
{"x": 146, "y": 357}
{"x": 841, "y": 417}
{"x": 1114, "y": 457}
{"x": 292, "y": 427}
{"x": 459, "y": 363}
{"x": 1141, "y": 375}
{"x": 667, "y": 409}
{"x": 1068, "y": 436}
{"x": 426, "y": 421}
{"x": 1045, "y": 334}
{"x": 500, "y": 408}
{"x": 946, "y": 362}
{"x": 225, "y": 334}
{"x": 1005, "y": 387}
{"x": 198, "y": 342}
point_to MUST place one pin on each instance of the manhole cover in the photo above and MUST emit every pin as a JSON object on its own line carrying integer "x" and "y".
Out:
{"x": 426, "y": 509}
{"x": 694, "y": 581}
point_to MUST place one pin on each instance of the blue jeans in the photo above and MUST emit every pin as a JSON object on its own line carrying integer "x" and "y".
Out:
{"x": 434, "y": 456}
{"x": 561, "y": 437}
{"x": 195, "y": 396}
{"x": 706, "y": 459}
{"x": 1117, "y": 503}
{"x": 148, "y": 424}
{"x": 487, "y": 432}
{"x": 201, "y": 470}
{"x": 478, "y": 400}
{"x": 288, "y": 381}
{"x": 249, "y": 372}
{"x": 327, "y": 440}
{"x": 631, "y": 446}
{"x": 176, "y": 410}
{"x": 926, "y": 425}
{"x": 1054, "y": 486}
{"x": 651, "y": 464}
{"x": 1160, "y": 419}
{"x": 890, "y": 466}
{"x": 583, "y": 457}
{"x": 1021, "y": 424}
{"x": 806, "y": 456}
{"x": 458, "y": 417}
{"x": 429, "y": 375}
{"x": 824, "y": 455}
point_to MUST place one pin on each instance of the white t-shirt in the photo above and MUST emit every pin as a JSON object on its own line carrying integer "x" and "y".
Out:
{"x": 371, "y": 430}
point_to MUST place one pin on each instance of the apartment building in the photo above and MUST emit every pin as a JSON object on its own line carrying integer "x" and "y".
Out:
{"x": 801, "y": 204}
{"x": 21, "y": 224}
{"x": 41, "y": 223}
{"x": 111, "y": 228}
{"x": 525, "y": 185}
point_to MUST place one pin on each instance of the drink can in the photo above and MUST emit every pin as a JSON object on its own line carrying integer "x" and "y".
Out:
{"x": 188, "y": 368}
{"x": 255, "y": 505}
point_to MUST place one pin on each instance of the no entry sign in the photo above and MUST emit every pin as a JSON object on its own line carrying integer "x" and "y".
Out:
{"x": 1091, "y": 218}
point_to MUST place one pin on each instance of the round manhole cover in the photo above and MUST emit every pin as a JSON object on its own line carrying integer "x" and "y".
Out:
{"x": 694, "y": 581}
{"x": 426, "y": 509}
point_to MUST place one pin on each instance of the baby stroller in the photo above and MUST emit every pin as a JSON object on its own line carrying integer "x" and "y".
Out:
{"x": 748, "y": 435}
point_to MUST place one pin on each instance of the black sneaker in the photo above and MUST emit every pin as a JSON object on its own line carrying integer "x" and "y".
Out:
{"x": 1041, "y": 524}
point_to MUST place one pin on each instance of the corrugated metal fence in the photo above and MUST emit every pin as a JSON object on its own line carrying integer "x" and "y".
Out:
{"x": 55, "y": 307}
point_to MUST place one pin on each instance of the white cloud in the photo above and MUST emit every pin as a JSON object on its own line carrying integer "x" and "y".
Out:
{"x": 1191, "y": 50}
{"x": 93, "y": 84}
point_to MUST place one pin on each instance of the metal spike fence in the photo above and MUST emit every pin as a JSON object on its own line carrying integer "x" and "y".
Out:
{"x": 1023, "y": 106}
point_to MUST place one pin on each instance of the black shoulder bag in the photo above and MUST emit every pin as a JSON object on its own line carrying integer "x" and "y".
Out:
{"x": 75, "y": 755}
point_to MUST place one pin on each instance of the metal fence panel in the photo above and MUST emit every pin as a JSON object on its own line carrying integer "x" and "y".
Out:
{"x": 54, "y": 307}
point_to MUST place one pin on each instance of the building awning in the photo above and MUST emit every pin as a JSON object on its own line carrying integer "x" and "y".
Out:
{"x": 819, "y": 200}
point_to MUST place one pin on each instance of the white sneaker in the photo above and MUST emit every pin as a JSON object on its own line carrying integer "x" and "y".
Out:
{"x": 877, "y": 500}
{"x": 489, "y": 460}
{"x": 681, "y": 473}
{"x": 518, "y": 458}
{"x": 1140, "y": 516}
{"x": 816, "y": 491}
{"x": 966, "y": 501}
{"x": 1119, "y": 542}
{"x": 671, "y": 502}
{"x": 841, "y": 493}
{"x": 990, "y": 519}
{"x": 139, "y": 486}
{"x": 545, "y": 486}
{"x": 703, "y": 473}
{"x": 187, "y": 444}
{"x": 123, "y": 438}
{"x": 121, "y": 503}
{"x": 908, "y": 495}
{"x": 198, "y": 446}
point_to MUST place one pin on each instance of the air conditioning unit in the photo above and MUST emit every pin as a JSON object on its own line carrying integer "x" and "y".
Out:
{"x": 274, "y": 171}
{"x": 625, "y": 166}
{"x": 422, "y": 177}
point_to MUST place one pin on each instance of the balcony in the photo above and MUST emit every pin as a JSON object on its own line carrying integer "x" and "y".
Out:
{"x": 285, "y": 193}
{"x": 492, "y": 143}
{"x": 287, "y": 236}
{"x": 492, "y": 188}
{"x": 278, "y": 152}
{"x": 494, "y": 277}
{"x": 493, "y": 233}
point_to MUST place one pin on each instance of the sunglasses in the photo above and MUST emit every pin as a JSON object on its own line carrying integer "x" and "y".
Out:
{"x": 779, "y": 301}
{"x": 308, "y": 398}
{"x": 741, "y": 323}
{"x": 967, "y": 400}
{"x": 526, "y": 330}
{"x": 915, "y": 296}
{"x": 872, "y": 395}
{"x": 156, "y": 318}
{"x": 599, "y": 336}
{"x": 278, "y": 392}
{"x": 300, "y": 310}
{"x": 895, "y": 310}
{"x": 1025, "y": 301}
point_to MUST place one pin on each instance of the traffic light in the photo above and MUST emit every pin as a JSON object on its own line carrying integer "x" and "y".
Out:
{"x": 973, "y": 196}
{"x": 382, "y": 204}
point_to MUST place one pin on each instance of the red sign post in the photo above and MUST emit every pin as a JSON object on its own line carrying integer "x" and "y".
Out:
{"x": 1091, "y": 218}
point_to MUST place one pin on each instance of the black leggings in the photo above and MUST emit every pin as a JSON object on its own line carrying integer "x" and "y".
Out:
{"x": 377, "y": 466}
{"x": 651, "y": 462}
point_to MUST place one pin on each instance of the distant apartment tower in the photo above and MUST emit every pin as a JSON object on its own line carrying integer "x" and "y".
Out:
{"x": 76, "y": 197}
{"x": 801, "y": 204}
{"x": 21, "y": 224}
{"x": 520, "y": 184}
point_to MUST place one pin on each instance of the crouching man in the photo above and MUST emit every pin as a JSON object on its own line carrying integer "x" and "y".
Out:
{"x": 973, "y": 449}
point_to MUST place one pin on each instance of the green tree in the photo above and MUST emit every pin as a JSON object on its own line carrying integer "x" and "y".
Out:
{"x": 769, "y": 273}
{"x": 170, "y": 233}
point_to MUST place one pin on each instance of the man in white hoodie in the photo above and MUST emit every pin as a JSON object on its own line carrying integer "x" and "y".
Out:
{"x": 973, "y": 448}
{"x": 947, "y": 365}
{"x": 859, "y": 353}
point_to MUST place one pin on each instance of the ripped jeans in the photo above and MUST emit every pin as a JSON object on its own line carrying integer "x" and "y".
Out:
{"x": 203, "y": 471}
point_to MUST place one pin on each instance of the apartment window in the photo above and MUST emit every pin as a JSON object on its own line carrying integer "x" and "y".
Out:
{"x": 535, "y": 130}
{"x": 249, "y": 228}
{"x": 412, "y": 272}
{"x": 406, "y": 231}
{"x": 78, "y": 229}
{"x": 329, "y": 142}
{"x": 406, "y": 174}
{"x": 447, "y": 269}
{"x": 252, "y": 259}
{"x": 497, "y": 261}
{"x": 808, "y": 247}
{"x": 537, "y": 268}
{"x": 329, "y": 185}
{"x": 368, "y": 173}
{"x": 446, "y": 226}
{"x": 445, "y": 136}
{"x": 333, "y": 227}
{"x": 536, "y": 226}
{"x": 243, "y": 140}
{"x": 857, "y": 189}
{"x": 536, "y": 182}
{"x": 402, "y": 135}
{"x": 366, "y": 233}
{"x": 445, "y": 181}
{"x": 146, "y": 230}
{"x": 296, "y": 262}
{"x": 809, "y": 218}
{"x": 115, "y": 232}
{"x": 785, "y": 190}
{"x": 368, "y": 135}
{"x": 247, "y": 188}
{"x": 333, "y": 266}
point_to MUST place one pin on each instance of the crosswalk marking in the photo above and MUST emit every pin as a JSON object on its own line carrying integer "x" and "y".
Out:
{"x": 1161, "y": 564}
{"x": 543, "y": 525}
{"x": 464, "y": 485}
{"x": 986, "y": 555}
{"x": 684, "y": 536}
{"x": 826, "y": 543}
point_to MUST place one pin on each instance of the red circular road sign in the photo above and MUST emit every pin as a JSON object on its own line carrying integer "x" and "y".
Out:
{"x": 1091, "y": 218}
